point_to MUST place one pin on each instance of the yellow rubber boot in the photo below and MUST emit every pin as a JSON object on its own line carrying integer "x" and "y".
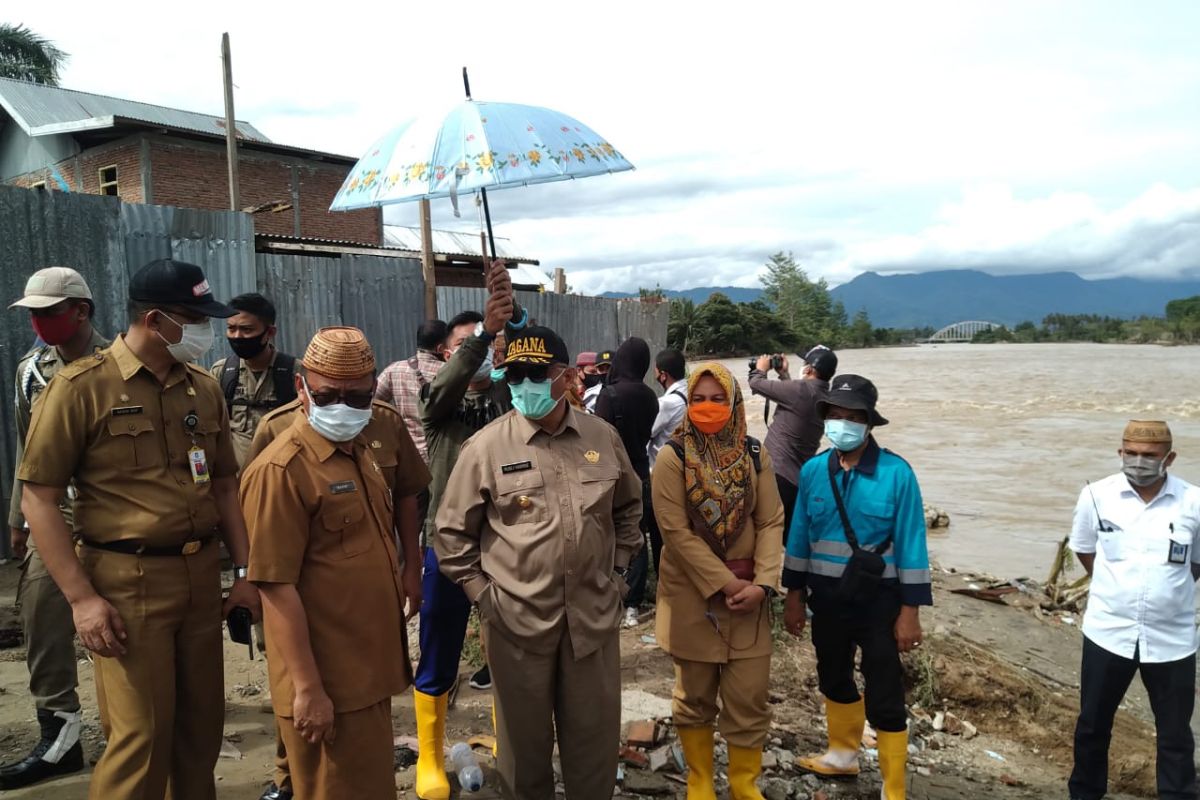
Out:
{"x": 495, "y": 733}
{"x": 845, "y": 722}
{"x": 745, "y": 765}
{"x": 432, "y": 783}
{"x": 893, "y": 763}
{"x": 698, "y": 752}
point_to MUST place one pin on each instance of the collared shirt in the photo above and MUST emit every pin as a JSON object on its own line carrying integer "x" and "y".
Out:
{"x": 794, "y": 435}
{"x": 107, "y": 423}
{"x": 671, "y": 408}
{"x": 533, "y": 523}
{"x": 34, "y": 371}
{"x": 321, "y": 519}
{"x": 401, "y": 386}
{"x": 590, "y": 396}
{"x": 882, "y": 500}
{"x": 1143, "y": 597}
{"x": 254, "y": 396}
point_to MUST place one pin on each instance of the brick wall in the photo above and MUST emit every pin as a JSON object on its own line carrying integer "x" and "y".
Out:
{"x": 125, "y": 155}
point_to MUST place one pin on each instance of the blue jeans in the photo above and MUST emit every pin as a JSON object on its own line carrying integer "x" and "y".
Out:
{"x": 444, "y": 614}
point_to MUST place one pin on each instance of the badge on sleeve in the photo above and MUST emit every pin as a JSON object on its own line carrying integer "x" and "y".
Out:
{"x": 1179, "y": 553}
{"x": 199, "y": 465}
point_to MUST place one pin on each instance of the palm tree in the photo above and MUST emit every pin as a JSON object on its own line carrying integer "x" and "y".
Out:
{"x": 27, "y": 56}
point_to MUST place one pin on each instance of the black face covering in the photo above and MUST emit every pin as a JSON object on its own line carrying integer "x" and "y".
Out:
{"x": 592, "y": 380}
{"x": 247, "y": 347}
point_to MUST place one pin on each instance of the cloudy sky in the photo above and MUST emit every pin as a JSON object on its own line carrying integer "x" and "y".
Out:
{"x": 1007, "y": 136}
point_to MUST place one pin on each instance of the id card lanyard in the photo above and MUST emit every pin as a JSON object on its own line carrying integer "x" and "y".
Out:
{"x": 197, "y": 461}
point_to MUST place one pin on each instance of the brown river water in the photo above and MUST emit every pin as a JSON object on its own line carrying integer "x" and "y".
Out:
{"x": 1002, "y": 437}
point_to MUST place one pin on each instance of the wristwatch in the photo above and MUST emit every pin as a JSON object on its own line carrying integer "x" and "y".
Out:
{"x": 483, "y": 334}
{"x": 621, "y": 572}
{"x": 239, "y": 572}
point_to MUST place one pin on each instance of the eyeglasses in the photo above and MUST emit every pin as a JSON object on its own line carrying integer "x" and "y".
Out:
{"x": 328, "y": 397}
{"x": 519, "y": 371}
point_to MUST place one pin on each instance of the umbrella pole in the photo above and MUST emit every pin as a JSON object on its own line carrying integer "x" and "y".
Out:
{"x": 487, "y": 219}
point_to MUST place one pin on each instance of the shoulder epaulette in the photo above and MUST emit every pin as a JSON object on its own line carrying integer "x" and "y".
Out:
{"x": 199, "y": 370}
{"x": 282, "y": 451}
{"x": 82, "y": 365}
{"x": 286, "y": 408}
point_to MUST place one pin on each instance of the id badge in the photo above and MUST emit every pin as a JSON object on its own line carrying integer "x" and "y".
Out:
{"x": 199, "y": 465}
{"x": 1179, "y": 553}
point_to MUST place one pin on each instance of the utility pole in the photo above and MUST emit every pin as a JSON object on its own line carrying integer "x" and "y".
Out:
{"x": 230, "y": 126}
{"x": 427, "y": 270}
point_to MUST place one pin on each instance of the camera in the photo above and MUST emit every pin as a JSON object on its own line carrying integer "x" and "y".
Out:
{"x": 776, "y": 363}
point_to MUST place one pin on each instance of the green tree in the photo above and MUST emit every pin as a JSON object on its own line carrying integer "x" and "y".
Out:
{"x": 860, "y": 334}
{"x": 719, "y": 326}
{"x": 27, "y": 56}
{"x": 804, "y": 306}
{"x": 655, "y": 295}
{"x": 681, "y": 326}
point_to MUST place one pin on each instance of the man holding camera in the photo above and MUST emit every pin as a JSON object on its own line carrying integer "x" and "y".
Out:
{"x": 795, "y": 433}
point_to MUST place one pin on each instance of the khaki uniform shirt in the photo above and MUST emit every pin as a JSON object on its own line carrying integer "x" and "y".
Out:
{"x": 321, "y": 518}
{"x": 106, "y": 422}
{"x": 532, "y": 525}
{"x": 34, "y": 371}
{"x": 254, "y": 393}
{"x": 691, "y": 575}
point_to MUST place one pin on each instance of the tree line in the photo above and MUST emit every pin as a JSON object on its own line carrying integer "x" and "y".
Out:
{"x": 1179, "y": 325}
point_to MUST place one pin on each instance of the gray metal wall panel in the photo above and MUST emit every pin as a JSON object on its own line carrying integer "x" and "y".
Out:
{"x": 307, "y": 292}
{"x": 385, "y": 297}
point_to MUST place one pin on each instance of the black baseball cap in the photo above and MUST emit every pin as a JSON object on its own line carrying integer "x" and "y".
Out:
{"x": 604, "y": 357}
{"x": 176, "y": 283}
{"x": 537, "y": 345}
{"x": 854, "y": 392}
{"x": 823, "y": 360}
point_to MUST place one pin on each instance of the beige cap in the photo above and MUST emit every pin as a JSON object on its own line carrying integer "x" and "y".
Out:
{"x": 53, "y": 285}
{"x": 1145, "y": 431}
{"x": 340, "y": 353}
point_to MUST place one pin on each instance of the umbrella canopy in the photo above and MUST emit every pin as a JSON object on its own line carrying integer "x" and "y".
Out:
{"x": 477, "y": 145}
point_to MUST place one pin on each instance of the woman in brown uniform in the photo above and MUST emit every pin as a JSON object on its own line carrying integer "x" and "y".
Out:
{"x": 718, "y": 507}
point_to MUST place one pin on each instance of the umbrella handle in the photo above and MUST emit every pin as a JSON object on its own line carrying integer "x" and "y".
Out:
{"x": 487, "y": 219}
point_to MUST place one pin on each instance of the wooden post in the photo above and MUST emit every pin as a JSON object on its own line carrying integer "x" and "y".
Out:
{"x": 427, "y": 270}
{"x": 230, "y": 126}
{"x": 560, "y": 280}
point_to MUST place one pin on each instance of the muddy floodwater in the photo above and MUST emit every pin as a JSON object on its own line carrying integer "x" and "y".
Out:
{"x": 1004, "y": 436}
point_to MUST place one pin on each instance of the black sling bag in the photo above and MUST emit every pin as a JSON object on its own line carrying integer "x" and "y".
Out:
{"x": 863, "y": 574}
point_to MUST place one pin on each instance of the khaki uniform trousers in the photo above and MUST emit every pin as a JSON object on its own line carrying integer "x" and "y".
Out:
{"x": 162, "y": 704}
{"x": 539, "y": 694}
{"x": 49, "y": 637}
{"x": 357, "y": 765}
{"x": 745, "y": 717}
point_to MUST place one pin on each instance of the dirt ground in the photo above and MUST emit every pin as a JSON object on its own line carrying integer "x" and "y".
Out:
{"x": 1011, "y": 675}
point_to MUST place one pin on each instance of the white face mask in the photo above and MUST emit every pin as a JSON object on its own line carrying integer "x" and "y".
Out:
{"x": 337, "y": 422}
{"x": 197, "y": 339}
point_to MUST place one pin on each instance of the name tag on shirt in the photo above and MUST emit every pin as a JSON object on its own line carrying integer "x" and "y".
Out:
{"x": 125, "y": 411}
{"x": 1179, "y": 553}
{"x": 198, "y": 463}
{"x": 516, "y": 466}
{"x": 343, "y": 487}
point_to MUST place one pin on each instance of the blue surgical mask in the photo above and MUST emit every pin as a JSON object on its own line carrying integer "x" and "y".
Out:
{"x": 533, "y": 400}
{"x": 336, "y": 422}
{"x": 844, "y": 434}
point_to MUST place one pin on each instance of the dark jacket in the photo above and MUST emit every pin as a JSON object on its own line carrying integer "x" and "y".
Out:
{"x": 628, "y": 404}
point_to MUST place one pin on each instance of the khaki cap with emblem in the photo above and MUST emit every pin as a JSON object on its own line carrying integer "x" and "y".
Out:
{"x": 1146, "y": 431}
{"x": 340, "y": 353}
{"x": 53, "y": 285}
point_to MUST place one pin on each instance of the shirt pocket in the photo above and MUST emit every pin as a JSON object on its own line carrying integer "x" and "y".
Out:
{"x": 134, "y": 442}
{"x": 874, "y": 522}
{"x": 1112, "y": 544}
{"x": 597, "y": 485}
{"x": 1178, "y": 549}
{"x": 343, "y": 520}
{"x": 521, "y": 497}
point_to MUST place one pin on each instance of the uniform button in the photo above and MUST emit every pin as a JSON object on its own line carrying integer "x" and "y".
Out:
{"x": 570, "y": 572}
{"x": 346, "y": 519}
{"x": 132, "y": 426}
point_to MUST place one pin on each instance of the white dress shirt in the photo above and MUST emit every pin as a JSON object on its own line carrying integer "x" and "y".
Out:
{"x": 671, "y": 408}
{"x": 1143, "y": 596}
{"x": 590, "y": 396}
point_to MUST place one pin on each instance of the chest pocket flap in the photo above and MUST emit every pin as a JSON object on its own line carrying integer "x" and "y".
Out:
{"x": 524, "y": 481}
{"x": 134, "y": 441}
{"x": 345, "y": 521}
{"x": 521, "y": 497}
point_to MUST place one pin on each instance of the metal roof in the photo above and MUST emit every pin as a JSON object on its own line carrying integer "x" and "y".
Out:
{"x": 449, "y": 242}
{"x": 43, "y": 110}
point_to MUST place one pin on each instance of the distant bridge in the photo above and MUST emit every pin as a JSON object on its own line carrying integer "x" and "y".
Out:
{"x": 962, "y": 331}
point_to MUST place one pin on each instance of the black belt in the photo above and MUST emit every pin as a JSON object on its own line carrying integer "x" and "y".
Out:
{"x": 132, "y": 547}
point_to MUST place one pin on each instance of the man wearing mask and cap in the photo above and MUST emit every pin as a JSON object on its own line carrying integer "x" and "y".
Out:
{"x": 142, "y": 435}
{"x": 593, "y": 378}
{"x": 856, "y": 555}
{"x": 795, "y": 431}
{"x": 61, "y": 310}
{"x": 323, "y": 553}
{"x": 538, "y": 525}
{"x": 1137, "y": 534}
{"x": 258, "y": 378}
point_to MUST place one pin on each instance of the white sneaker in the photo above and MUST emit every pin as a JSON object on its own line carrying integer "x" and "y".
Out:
{"x": 631, "y": 618}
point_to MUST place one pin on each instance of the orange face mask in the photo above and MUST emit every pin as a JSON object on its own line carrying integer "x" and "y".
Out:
{"x": 708, "y": 416}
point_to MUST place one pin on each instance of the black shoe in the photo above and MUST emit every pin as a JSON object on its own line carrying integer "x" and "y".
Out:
{"x": 34, "y": 767}
{"x": 273, "y": 792}
{"x": 482, "y": 679}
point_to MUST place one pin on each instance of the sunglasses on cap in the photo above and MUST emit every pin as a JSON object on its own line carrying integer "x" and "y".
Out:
{"x": 519, "y": 372}
{"x": 328, "y": 397}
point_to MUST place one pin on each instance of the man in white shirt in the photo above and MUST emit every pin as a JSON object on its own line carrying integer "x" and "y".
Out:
{"x": 669, "y": 371}
{"x": 1137, "y": 533}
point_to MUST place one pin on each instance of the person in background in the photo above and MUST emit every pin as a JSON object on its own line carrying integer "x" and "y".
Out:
{"x": 865, "y": 574}
{"x": 61, "y": 312}
{"x": 1137, "y": 533}
{"x": 403, "y": 381}
{"x": 670, "y": 369}
{"x": 630, "y": 406}
{"x": 795, "y": 431}
{"x": 593, "y": 378}
{"x": 577, "y": 389}
{"x": 719, "y": 512}
{"x": 258, "y": 378}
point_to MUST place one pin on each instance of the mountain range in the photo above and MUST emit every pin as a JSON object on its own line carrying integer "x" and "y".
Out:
{"x": 943, "y": 297}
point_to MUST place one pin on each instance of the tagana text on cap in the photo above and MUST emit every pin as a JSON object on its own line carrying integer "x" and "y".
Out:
{"x": 537, "y": 345}
{"x": 52, "y": 285}
{"x": 176, "y": 283}
{"x": 340, "y": 353}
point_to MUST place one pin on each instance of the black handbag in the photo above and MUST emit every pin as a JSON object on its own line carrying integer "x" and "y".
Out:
{"x": 863, "y": 575}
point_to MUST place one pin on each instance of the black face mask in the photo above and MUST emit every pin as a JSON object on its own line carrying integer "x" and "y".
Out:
{"x": 592, "y": 380}
{"x": 247, "y": 347}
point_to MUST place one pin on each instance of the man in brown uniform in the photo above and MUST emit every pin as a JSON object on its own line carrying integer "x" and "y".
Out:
{"x": 538, "y": 524}
{"x": 404, "y": 471}
{"x": 144, "y": 437}
{"x": 324, "y": 554}
{"x": 61, "y": 309}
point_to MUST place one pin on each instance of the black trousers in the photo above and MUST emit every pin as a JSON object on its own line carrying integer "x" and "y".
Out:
{"x": 639, "y": 570}
{"x": 1104, "y": 679}
{"x": 787, "y": 493}
{"x": 837, "y": 633}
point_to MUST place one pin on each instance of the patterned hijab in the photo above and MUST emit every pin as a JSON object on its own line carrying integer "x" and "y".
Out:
{"x": 717, "y": 468}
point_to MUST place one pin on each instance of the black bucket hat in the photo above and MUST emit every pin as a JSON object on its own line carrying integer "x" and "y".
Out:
{"x": 853, "y": 392}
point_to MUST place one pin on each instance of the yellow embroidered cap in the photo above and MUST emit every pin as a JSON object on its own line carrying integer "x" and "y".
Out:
{"x": 1145, "y": 431}
{"x": 340, "y": 353}
{"x": 537, "y": 345}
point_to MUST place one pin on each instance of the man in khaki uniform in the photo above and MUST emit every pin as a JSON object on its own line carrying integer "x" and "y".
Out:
{"x": 143, "y": 436}
{"x": 538, "y": 524}
{"x": 61, "y": 309}
{"x": 403, "y": 468}
{"x": 258, "y": 378}
{"x": 323, "y": 552}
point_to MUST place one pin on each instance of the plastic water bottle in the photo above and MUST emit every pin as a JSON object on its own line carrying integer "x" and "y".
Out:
{"x": 470, "y": 776}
